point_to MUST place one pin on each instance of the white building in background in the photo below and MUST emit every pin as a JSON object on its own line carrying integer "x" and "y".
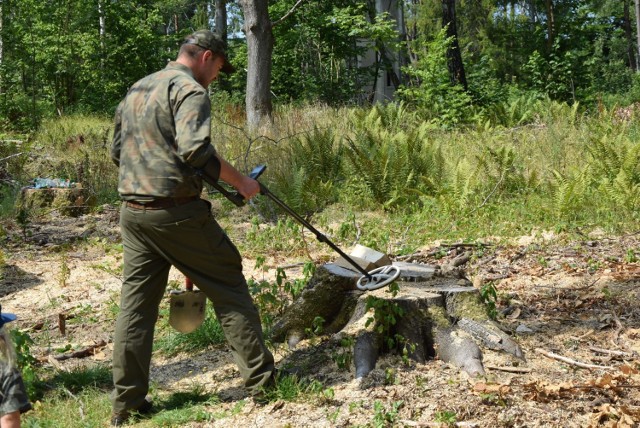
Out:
{"x": 383, "y": 89}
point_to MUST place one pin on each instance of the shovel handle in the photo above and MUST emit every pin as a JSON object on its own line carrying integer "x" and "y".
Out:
{"x": 188, "y": 283}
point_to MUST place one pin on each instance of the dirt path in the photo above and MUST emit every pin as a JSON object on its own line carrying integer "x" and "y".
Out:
{"x": 573, "y": 298}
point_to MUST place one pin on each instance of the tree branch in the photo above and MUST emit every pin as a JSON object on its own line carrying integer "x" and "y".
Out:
{"x": 570, "y": 361}
{"x": 286, "y": 15}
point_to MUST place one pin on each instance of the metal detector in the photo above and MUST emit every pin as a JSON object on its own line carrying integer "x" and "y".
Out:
{"x": 368, "y": 281}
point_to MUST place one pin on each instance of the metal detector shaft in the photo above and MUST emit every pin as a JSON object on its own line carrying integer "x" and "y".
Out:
{"x": 319, "y": 235}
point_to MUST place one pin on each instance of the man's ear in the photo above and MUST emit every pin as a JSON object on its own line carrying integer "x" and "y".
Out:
{"x": 206, "y": 55}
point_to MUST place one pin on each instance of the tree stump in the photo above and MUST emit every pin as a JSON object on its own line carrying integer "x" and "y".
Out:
{"x": 71, "y": 201}
{"x": 432, "y": 313}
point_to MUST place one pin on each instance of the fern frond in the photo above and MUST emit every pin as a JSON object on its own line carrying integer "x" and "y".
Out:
{"x": 570, "y": 193}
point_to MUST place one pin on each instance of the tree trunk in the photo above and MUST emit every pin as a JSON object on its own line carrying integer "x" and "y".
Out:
{"x": 257, "y": 26}
{"x": 456, "y": 67}
{"x": 1, "y": 38}
{"x": 102, "y": 32}
{"x": 551, "y": 25}
{"x": 638, "y": 30}
{"x": 629, "y": 36}
{"x": 531, "y": 8}
{"x": 220, "y": 18}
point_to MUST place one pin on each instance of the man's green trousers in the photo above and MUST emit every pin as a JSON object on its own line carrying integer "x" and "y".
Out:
{"x": 188, "y": 238}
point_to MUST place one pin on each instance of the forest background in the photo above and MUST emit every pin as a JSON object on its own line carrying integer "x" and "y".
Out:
{"x": 72, "y": 56}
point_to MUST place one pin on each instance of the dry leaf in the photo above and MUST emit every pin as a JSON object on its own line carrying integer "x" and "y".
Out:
{"x": 515, "y": 314}
{"x": 484, "y": 388}
{"x": 628, "y": 370}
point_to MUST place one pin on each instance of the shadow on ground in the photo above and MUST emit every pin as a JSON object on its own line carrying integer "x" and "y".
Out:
{"x": 14, "y": 279}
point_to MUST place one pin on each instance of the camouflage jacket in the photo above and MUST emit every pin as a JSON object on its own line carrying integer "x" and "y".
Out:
{"x": 162, "y": 136}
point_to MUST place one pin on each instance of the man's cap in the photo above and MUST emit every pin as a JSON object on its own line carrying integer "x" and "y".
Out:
{"x": 6, "y": 317}
{"x": 211, "y": 41}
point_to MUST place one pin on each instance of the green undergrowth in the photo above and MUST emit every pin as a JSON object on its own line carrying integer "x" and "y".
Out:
{"x": 540, "y": 164}
{"x": 77, "y": 398}
{"x": 80, "y": 398}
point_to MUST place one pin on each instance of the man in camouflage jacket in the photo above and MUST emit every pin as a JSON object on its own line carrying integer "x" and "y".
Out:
{"x": 162, "y": 144}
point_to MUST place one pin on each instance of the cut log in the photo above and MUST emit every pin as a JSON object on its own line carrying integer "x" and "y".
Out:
{"x": 423, "y": 330}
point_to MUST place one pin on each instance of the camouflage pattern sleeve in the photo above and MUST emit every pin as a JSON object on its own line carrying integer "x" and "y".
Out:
{"x": 117, "y": 135}
{"x": 13, "y": 394}
{"x": 193, "y": 128}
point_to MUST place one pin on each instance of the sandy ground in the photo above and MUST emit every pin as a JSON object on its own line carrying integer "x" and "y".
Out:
{"x": 575, "y": 298}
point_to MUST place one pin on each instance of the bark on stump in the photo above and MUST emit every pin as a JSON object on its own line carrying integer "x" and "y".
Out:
{"x": 443, "y": 316}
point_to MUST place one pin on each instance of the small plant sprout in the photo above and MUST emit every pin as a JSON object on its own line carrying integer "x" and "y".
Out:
{"x": 65, "y": 271}
{"x": 446, "y": 417}
{"x": 489, "y": 296}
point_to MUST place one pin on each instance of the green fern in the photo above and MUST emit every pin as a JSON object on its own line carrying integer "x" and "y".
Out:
{"x": 623, "y": 191}
{"x": 570, "y": 193}
{"x": 607, "y": 157}
{"x": 616, "y": 170}
{"x": 460, "y": 191}
{"x": 503, "y": 173}
{"x": 514, "y": 112}
{"x": 395, "y": 166}
{"x": 314, "y": 168}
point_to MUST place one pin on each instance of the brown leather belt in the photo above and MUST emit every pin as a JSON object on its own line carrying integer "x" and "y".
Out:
{"x": 161, "y": 203}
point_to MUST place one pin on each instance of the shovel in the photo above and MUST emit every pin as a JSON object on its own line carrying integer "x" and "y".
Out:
{"x": 186, "y": 308}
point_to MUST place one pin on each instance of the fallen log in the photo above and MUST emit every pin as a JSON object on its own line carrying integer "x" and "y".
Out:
{"x": 82, "y": 353}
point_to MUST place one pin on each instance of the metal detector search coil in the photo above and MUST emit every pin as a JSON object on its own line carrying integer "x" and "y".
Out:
{"x": 379, "y": 278}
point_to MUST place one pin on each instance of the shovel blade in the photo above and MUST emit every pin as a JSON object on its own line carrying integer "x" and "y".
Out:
{"x": 187, "y": 310}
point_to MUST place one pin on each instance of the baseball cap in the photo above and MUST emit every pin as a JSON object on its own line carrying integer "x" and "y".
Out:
{"x": 211, "y": 41}
{"x": 6, "y": 317}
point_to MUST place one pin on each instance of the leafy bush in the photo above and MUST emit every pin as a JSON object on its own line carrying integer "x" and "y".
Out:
{"x": 27, "y": 363}
{"x": 430, "y": 89}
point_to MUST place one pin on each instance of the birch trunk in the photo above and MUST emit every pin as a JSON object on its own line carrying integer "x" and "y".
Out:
{"x": 102, "y": 31}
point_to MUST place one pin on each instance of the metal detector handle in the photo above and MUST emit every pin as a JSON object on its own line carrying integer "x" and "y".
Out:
{"x": 236, "y": 197}
{"x": 321, "y": 237}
